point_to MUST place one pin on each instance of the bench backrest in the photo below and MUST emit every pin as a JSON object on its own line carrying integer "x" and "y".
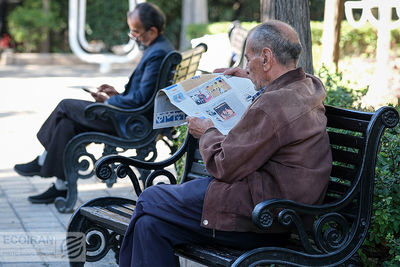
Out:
{"x": 355, "y": 140}
{"x": 178, "y": 66}
{"x": 237, "y": 37}
{"x": 353, "y": 137}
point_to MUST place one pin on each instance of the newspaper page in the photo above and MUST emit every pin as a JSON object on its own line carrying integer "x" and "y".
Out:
{"x": 221, "y": 98}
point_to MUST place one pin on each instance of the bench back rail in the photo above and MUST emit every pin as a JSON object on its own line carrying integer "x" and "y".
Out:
{"x": 238, "y": 37}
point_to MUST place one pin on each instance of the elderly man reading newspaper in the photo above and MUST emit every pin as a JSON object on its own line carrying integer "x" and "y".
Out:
{"x": 265, "y": 155}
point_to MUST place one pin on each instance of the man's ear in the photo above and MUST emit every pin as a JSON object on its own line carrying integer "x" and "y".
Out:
{"x": 154, "y": 31}
{"x": 267, "y": 56}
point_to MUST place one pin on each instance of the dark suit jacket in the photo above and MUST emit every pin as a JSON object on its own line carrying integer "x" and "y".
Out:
{"x": 142, "y": 82}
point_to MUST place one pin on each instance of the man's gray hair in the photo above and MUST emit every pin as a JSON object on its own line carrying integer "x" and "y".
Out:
{"x": 270, "y": 35}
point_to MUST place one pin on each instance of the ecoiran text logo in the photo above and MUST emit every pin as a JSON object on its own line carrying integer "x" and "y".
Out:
{"x": 42, "y": 247}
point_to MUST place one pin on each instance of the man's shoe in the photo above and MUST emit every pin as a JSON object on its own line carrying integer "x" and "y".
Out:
{"x": 28, "y": 169}
{"x": 48, "y": 196}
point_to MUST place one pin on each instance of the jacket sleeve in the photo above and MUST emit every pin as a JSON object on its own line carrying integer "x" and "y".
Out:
{"x": 139, "y": 93}
{"x": 246, "y": 148}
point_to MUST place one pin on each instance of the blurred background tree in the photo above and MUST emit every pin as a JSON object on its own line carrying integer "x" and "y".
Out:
{"x": 106, "y": 20}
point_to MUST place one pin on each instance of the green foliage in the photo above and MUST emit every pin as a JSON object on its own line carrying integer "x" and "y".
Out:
{"x": 317, "y": 9}
{"x": 172, "y": 11}
{"x": 339, "y": 92}
{"x": 355, "y": 41}
{"x": 29, "y": 24}
{"x": 230, "y": 10}
{"x": 180, "y": 164}
{"x": 106, "y": 22}
{"x": 198, "y": 30}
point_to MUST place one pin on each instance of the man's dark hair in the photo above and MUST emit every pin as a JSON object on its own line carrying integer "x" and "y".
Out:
{"x": 285, "y": 48}
{"x": 150, "y": 16}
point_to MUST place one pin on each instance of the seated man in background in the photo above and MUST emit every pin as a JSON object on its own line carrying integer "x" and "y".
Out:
{"x": 146, "y": 23}
{"x": 279, "y": 149}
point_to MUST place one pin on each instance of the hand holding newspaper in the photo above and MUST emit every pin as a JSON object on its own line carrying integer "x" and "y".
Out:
{"x": 223, "y": 99}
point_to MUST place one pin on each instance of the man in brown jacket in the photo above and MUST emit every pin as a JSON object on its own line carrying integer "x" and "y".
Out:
{"x": 279, "y": 149}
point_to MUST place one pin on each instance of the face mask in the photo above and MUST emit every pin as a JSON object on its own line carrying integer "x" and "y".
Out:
{"x": 141, "y": 45}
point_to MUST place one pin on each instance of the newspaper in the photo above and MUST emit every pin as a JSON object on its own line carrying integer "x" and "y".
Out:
{"x": 221, "y": 98}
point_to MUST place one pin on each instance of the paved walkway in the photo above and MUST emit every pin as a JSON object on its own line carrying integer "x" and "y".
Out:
{"x": 28, "y": 95}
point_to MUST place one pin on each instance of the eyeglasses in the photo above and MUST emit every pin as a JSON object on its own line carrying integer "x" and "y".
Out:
{"x": 134, "y": 38}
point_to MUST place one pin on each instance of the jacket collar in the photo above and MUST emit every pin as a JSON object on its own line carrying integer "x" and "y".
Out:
{"x": 287, "y": 78}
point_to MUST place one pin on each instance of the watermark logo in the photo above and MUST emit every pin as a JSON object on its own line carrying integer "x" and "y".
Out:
{"x": 42, "y": 247}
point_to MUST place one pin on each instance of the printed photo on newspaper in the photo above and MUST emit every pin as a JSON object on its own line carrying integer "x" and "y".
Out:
{"x": 221, "y": 98}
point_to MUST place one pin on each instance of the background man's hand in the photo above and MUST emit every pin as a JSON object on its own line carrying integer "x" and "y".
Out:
{"x": 104, "y": 92}
{"x": 198, "y": 126}
{"x": 107, "y": 89}
{"x": 236, "y": 71}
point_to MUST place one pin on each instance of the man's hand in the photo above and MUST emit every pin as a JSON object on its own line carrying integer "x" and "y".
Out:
{"x": 198, "y": 126}
{"x": 104, "y": 92}
{"x": 236, "y": 71}
{"x": 107, "y": 89}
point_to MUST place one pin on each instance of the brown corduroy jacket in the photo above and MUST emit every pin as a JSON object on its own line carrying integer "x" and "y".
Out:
{"x": 279, "y": 149}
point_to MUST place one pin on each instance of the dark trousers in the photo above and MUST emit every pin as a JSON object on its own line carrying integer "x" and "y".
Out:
{"x": 67, "y": 120}
{"x": 169, "y": 215}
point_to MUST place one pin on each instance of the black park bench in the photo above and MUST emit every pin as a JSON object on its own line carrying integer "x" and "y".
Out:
{"x": 136, "y": 133}
{"x": 237, "y": 38}
{"x": 340, "y": 224}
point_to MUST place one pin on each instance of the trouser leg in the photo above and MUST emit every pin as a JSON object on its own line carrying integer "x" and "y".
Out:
{"x": 67, "y": 120}
{"x": 170, "y": 215}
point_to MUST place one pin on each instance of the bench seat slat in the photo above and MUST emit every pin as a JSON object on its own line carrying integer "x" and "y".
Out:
{"x": 106, "y": 218}
{"x": 191, "y": 176}
{"x": 129, "y": 206}
{"x": 121, "y": 210}
{"x": 209, "y": 255}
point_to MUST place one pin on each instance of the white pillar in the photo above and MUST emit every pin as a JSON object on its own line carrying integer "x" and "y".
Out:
{"x": 193, "y": 12}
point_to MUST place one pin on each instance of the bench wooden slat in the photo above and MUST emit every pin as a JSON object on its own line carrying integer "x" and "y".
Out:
{"x": 345, "y": 140}
{"x": 338, "y": 188}
{"x": 343, "y": 173}
{"x": 345, "y": 156}
{"x": 347, "y": 123}
{"x": 198, "y": 168}
{"x": 129, "y": 206}
{"x": 209, "y": 255}
{"x": 118, "y": 209}
{"x": 106, "y": 218}
{"x": 197, "y": 155}
{"x": 191, "y": 176}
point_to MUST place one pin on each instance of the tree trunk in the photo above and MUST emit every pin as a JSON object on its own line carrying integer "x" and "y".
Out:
{"x": 45, "y": 45}
{"x": 297, "y": 14}
{"x": 334, "y": 11}
{"x": 193, "y": 12}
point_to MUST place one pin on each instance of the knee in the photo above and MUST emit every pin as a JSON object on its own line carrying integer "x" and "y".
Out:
{"x": 146, "y": 223}
{"x": 149, "y": 194}
{"x": 65, "y": 103}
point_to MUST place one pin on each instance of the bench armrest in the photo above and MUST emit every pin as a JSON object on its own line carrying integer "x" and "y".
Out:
{"x": 327, "y": 221}
{"x": 107, "y": 165}
{"x": 129, "y": 123}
